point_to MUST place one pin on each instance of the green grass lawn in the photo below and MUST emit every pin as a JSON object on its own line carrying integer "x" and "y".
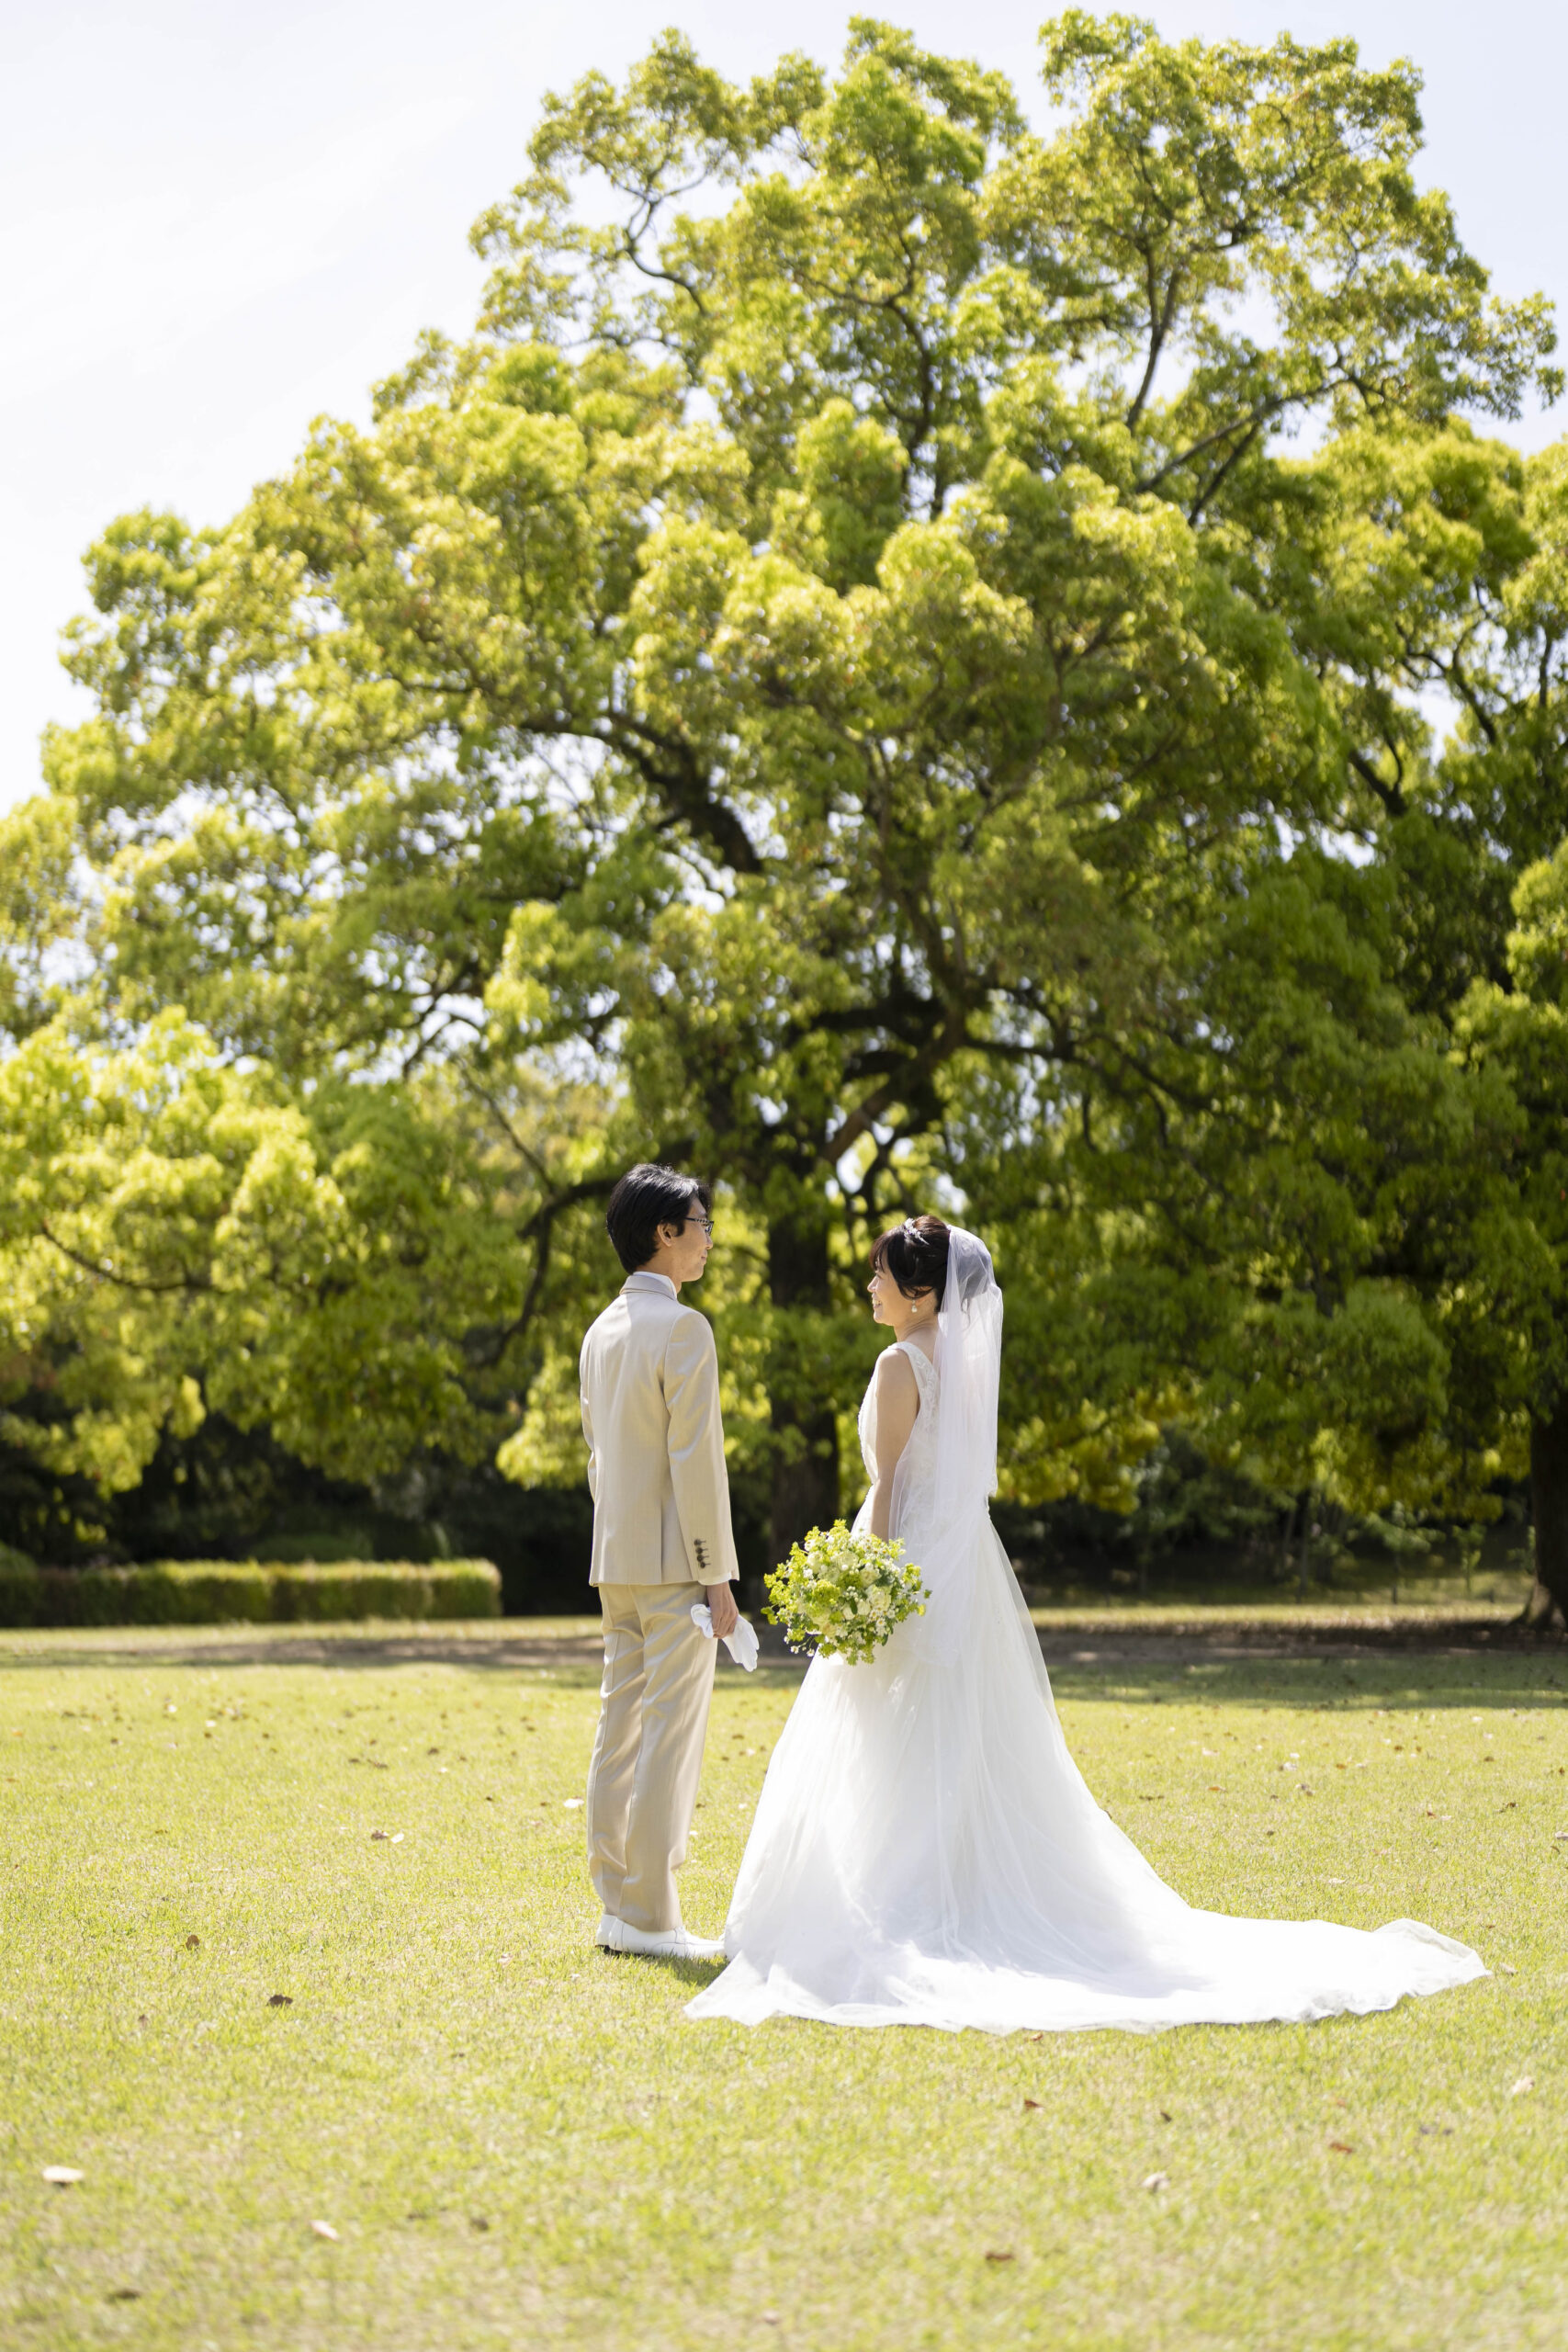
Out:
{"x": 520, "y": 2141}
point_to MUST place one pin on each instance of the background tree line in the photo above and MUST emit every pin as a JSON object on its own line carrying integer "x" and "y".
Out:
{"x": 907, "y": 660}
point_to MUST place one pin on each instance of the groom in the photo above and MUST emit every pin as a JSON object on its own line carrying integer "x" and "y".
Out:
{"x": 662, "y": 1543}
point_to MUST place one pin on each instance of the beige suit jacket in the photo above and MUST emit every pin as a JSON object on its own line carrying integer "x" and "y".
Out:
{"x": 650, "y": 1374}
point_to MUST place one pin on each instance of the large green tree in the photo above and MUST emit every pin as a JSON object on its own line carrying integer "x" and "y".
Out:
{"x": 1431, "y": 594}
{"x": 823, "y": 684}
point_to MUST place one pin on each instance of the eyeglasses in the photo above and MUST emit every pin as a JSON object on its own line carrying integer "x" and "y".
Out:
{"x": 706, "y": 1222}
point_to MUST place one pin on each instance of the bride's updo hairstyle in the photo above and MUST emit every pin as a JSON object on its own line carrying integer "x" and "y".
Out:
{"x": 915, "y": 1254}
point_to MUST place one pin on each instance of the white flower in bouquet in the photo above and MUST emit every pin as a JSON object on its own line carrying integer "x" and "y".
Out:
{"x": 841, "y": 1595}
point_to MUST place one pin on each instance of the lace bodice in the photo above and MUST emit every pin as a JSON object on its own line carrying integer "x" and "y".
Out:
{"x": 917, "y": 1464}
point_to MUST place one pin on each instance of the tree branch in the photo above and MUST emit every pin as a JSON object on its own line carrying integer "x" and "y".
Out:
{"x": 185, "y": 1282}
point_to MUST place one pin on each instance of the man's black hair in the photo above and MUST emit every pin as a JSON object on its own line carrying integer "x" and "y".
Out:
{"x": 647, "y": 1197}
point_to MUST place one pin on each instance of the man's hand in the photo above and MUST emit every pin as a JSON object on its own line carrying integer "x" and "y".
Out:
{"x": 721, "y": 1601}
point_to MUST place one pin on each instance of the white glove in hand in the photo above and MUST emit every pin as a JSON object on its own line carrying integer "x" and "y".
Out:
{"x": 741, "y": 1644}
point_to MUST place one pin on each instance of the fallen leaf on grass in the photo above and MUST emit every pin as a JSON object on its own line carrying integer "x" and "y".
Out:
{"x": 1035, "y": 2102}
{"x": 1000, "y": 2254}
{"x": 1163, "y": 2116}
{"x": 1343, "y": 2147}
{"x": 1508, "y": 1968}
{"x": 477, "y": 2222}
{"x": 1559, "y": 1837}
{"x": 142, "y": 2018}
{"x": 1525, "y": 2082}
{"x": 61, "y": 2175}
{"x": 387, "y": 1836}
{"x": 280, "y": 2000}
{"x": 193, "y": 1943}
{"x": 123, "y": 2295}
{"x": 1156, "y": 2180}
{"x": 324, "y": 2230}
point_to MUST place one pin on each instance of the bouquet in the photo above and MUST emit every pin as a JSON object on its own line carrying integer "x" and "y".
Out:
{"x": 841, "y": 1595}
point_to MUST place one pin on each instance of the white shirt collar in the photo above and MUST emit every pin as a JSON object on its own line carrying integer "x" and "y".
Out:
{"x": 645, "y": 1281}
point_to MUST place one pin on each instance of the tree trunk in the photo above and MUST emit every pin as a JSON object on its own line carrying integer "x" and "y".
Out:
{"x": 1548, "y": 1604}
{"x": 806, "y": 1463}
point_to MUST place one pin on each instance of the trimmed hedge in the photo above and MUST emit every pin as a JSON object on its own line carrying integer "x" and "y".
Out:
{"x": 221, "y": 1592}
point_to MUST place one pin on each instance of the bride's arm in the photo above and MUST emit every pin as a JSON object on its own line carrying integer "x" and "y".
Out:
{"x": 896, "y": 1402}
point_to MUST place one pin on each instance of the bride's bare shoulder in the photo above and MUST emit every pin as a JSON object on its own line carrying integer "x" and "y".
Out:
{"x": 894, "y": 1375}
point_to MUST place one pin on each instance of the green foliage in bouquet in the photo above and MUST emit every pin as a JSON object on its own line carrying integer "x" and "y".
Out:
{"x": 841, "y": 1594}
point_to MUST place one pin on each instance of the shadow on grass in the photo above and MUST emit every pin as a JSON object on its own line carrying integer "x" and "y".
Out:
{"x": 694, "y": 1974}
{"x": 1387, "y": 1679}
{"x": 568, "y": 1667}
{"x": 1312, "y": 1667}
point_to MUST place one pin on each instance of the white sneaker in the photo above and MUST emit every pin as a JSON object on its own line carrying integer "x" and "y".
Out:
{"x": 670, "y": 1943}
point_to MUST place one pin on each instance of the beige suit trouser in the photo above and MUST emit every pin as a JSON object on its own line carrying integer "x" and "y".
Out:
{"x": 647, "y": 1752}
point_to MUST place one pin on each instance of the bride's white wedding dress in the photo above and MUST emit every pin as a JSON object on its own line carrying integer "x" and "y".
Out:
{"x": 926, "y": 1851}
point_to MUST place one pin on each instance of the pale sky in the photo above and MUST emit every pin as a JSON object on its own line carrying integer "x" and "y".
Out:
{"x": 217, "y": 221}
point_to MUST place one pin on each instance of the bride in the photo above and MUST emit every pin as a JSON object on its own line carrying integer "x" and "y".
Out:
{"x": 925, "y": 1851}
